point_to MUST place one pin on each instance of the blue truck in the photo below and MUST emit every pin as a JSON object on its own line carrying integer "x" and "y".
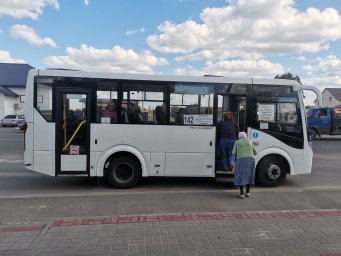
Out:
{"x": 324, "y": 121}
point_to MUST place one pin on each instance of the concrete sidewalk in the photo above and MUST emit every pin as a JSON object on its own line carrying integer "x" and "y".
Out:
{"x": 251, "y": 233}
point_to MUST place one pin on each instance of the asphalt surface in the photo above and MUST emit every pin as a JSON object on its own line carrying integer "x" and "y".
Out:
{"x": 26, "y": 197}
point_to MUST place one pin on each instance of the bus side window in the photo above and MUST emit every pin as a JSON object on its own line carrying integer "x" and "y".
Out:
{"x": 143, "y": 102}
{"x": 191, "y": 104}
{"x": 106, "y": 107}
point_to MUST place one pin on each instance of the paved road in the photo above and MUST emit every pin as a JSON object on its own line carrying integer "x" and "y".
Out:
{"x": 26, "y": 196}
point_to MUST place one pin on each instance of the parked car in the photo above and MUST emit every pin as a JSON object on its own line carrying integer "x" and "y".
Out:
{"x": 12, "y": 120}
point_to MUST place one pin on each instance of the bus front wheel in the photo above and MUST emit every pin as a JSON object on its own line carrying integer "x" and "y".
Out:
{"x": 271, "y": 172}
{"x": 124, "y": 172}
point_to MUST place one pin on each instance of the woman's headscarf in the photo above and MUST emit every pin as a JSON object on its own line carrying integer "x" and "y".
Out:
{"x": 242, "y": 135}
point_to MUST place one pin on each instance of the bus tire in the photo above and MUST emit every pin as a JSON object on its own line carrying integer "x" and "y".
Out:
{"x": 124, "y": 172}
{"x": 271, "y": 171}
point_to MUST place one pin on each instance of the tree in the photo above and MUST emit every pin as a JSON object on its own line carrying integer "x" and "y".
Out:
{"x": 289, "y": 76}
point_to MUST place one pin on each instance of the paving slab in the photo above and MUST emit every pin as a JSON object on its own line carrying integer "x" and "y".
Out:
{"x": 248, "y": 233}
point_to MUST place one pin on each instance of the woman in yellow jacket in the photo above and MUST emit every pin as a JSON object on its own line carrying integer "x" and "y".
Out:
{"x": 244, "y": 175}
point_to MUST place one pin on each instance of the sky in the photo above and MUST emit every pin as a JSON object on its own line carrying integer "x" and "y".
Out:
{"x": 234, "y": 38}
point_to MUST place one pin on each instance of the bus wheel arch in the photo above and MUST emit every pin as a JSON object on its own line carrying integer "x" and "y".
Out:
{"x": 123, "y": 169}
{"x": 271, "y": 170}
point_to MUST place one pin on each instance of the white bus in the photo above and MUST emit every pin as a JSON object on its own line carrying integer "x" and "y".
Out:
{"x": 69, "y": 130}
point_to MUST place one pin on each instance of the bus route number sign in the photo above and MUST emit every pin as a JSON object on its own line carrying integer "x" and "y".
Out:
{"x": 198, "y": 119}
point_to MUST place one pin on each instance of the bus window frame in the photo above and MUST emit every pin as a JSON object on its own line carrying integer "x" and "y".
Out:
{"x": 35, "y": 96}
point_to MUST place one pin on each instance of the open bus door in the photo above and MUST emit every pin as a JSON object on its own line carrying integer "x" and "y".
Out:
{"x": 72, "y": 131}
{"x": 237, "y": 105}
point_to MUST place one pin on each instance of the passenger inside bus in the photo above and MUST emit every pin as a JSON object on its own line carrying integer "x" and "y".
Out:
{"x": 110, "y": 112}
{"x": 179, "y": 119}
{"x": 133, "y": 114}
{"x": 160, "y": 114}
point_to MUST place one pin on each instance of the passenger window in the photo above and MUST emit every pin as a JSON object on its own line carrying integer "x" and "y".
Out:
{"x": 43, "y": 97}
{"x": 191, "y": 104}
{"x": 106, "y": 103}
{"x": 144, "y": 103}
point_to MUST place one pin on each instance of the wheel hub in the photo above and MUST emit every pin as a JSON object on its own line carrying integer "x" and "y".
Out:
{"x": 123, "y": 173}
{"x": 273, "y": 171}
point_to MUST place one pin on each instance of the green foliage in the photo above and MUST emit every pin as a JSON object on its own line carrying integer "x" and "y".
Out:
{"x": 289, "y": 76}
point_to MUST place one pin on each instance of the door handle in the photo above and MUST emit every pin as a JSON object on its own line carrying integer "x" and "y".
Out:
{"x": 95, "y": 141}
{"x": 210, "y": 143}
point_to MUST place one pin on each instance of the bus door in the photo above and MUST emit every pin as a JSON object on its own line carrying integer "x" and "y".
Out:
{"x": 72, "y": 131}
{"x": 229, "y": 103}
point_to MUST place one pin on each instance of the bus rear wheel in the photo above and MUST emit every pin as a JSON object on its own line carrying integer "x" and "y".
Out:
{"x": 271, "y": 172}
{"x": 124, "y": 172}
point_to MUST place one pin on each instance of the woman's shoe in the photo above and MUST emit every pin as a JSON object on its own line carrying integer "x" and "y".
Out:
{"x": 242, "y": 196}
{"x": 247, "y": 194}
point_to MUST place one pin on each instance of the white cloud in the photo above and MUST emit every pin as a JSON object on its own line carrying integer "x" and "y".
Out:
{"x": 86, "y": 2}
{"x": 5, "y": 57}
{"x": 30, "y": 35}
{"x": 132, "y": 32}
{"x": 324, "y": 72}
{"x": 300, "y": 58}
{"x": 236, "y": 68}
{"x": 116, "y": 59}
{"x": 249, "y": 29}
{"x": 25, "y": 8}
{"x": 179, "y": 38}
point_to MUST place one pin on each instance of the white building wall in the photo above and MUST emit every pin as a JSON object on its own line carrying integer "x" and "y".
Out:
{"x": 7, "y": 103}
{"x": 9, "y": 106}
{"x": 327, "y": 101}
{"x": 2, "y": 105}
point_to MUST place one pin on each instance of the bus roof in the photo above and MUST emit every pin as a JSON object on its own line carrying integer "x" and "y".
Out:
{"x": 160, "y": 78}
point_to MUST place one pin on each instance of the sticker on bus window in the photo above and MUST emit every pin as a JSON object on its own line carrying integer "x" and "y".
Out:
{"x": 105, "y": 120}
{"x": 198, "y": 119}
{"x": 74, "y": 149}
{"x": 266, "y": 112}
{"x": 264, "y": 126}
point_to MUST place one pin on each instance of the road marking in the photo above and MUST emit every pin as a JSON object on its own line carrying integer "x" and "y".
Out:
{"x": 22, "y": 229}
{"x": 174, "y": 191}
{"x": 11, "y": 161}
{"x": 11, "y": 139}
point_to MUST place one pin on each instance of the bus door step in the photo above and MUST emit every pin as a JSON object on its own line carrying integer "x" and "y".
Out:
{"x": 224, "y": 177}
